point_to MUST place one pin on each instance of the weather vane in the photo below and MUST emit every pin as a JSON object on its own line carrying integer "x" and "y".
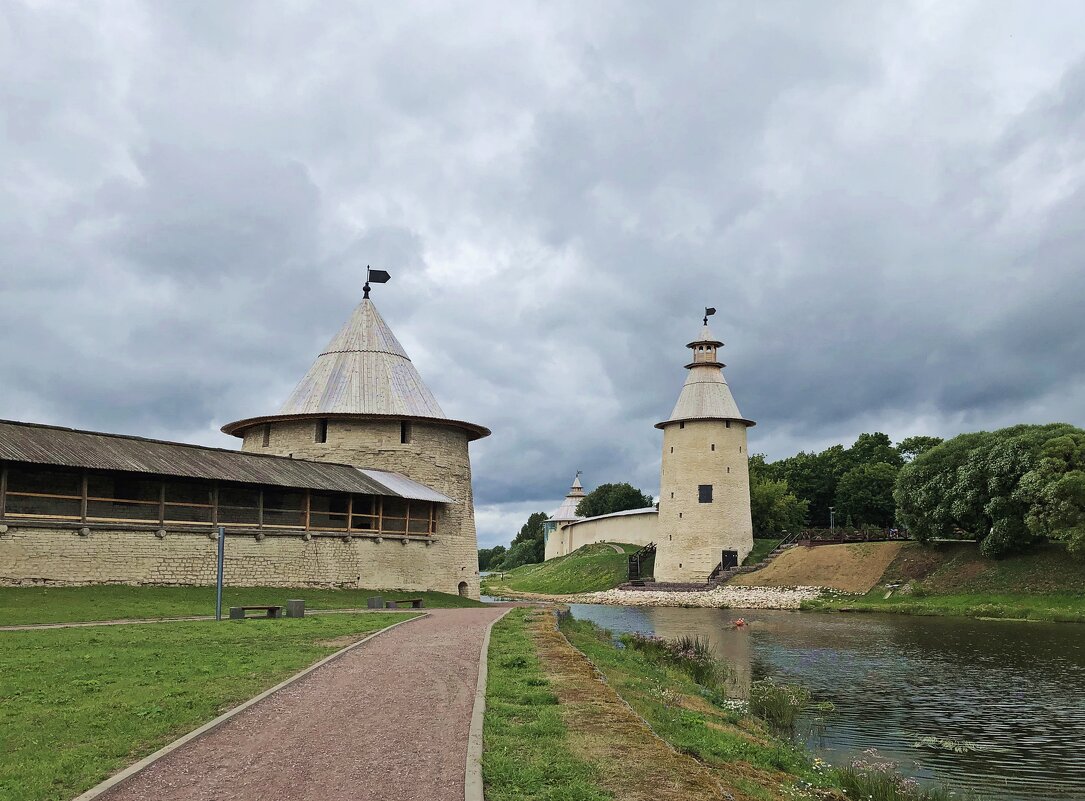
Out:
{"x": 708, "y": 310}
{"x": 377, "y": 277}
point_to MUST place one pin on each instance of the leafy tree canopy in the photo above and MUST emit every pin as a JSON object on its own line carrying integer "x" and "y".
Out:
{"x": 528, "y": 547}
{"x": 865, "y": 494}
{"x": 1008, "y": 488}
{"x": 489, "y": 557}
{"x": 911, "y": 447}
{"x": 774, "y": 509}
{"x": 608, "y": 498}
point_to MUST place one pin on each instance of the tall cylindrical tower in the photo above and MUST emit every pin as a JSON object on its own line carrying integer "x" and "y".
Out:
{"x": 363, "y": 403}
{"x": 704, "y": 501}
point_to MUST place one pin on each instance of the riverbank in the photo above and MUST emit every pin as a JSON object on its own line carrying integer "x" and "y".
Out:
{"x": 954, "y": 579}
{"x": 569, "y": 711}
{"x": 723, "y": 597}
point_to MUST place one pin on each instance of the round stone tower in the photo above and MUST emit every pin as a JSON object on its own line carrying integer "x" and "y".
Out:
{"x": 363, "y": 403}
{"x": 704, "y": 501}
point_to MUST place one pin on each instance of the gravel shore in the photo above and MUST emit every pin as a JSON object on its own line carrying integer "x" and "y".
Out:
{"x": 725, "y": 597}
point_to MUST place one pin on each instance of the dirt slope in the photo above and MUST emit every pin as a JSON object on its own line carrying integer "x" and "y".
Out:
{"x": 855, "y": 567}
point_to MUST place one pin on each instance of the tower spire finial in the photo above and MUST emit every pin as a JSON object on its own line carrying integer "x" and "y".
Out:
{"x": 376, "y": 276}
{"x": 708, "y": 312}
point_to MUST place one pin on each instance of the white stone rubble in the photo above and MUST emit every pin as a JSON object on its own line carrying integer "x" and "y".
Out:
{"x": 725, "y": 597}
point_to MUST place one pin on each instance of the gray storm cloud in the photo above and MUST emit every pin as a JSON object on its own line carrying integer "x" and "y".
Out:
{"x": 884, "y": 202}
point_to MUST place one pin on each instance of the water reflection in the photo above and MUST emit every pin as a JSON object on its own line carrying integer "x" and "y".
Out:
{"x": 1013, "y": 692}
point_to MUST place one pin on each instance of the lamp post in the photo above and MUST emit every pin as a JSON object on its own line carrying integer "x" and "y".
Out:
{"x": 832, "y": 520}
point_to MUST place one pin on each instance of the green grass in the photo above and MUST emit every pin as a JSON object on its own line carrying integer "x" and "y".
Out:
{"x": 761, "y": 549}
{"x": 654, "y": 690}
{"x": 76, "y": 705}
{"x": 954, "y": 579}
{"x": 1052, "y": 607}
{"x": 587, "y": 569}
{"x": 27, "y": 605}
{"x": 526, "y": 750}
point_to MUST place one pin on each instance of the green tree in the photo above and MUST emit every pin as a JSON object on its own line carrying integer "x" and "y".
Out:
{"x": 608, "y": 498}
{"x": 1007, "y": 488}
{"x": 525, "y": 552}
{"x": 865, "y": 494}
{"x": 911, "y": 447}
{"x": 1055, "y": 492}
{"x": 876, "y": 448}
{"x": 489, "y": 557}
{"x": 773, "y": 508}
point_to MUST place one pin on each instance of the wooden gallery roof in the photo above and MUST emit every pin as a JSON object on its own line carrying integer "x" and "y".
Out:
{"x": 67, "y": 447}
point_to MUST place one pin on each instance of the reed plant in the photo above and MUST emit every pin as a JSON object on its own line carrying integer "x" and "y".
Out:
{"x": 874, "y": 778}
{"x": 693, "y": 655}
{"x": 778, "y": 704}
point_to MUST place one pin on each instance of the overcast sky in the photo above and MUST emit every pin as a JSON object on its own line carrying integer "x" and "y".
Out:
{"x": 884, "y": 201}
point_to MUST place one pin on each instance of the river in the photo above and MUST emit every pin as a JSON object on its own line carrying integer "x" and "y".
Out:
{"x": 1013, "y": 692}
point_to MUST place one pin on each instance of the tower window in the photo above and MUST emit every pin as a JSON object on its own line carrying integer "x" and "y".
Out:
{"x": 728, "y": 469}
{"x": 267, "y": 434}
{"x": 405, "y": 432}
{"x": 740, "y": 449}
{"x": 727, "y": 423}
{"x": 713, "y": 446}
{"x": 672, "y": 495}
{"x": 321, "y": 434}
{"x": 679, "y": 514}
{"x": 704, "y": 493}
{"x": 681, "y": 425}
{"x": 672, "y": 449}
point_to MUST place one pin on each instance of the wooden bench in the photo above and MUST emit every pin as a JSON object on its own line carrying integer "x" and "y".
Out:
{"x": 238, "y": 612}
{"x": 416, "y": 603}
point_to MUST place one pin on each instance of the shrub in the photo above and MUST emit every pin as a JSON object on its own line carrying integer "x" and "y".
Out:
{"x": 778, "y": 704}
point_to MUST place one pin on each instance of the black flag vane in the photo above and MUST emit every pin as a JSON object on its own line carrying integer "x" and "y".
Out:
{"x": 376, "y": 276}
{"x": 708, "y": 312}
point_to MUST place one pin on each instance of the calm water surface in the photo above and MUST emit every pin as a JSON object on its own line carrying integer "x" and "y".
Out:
{"x": 1013, "y": 691}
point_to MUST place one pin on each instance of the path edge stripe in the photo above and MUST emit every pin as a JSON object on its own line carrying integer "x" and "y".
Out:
{"x": 472, "y": 778}
{"x": 147, "y": 761}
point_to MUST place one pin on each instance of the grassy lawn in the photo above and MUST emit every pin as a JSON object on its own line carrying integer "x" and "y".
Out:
{"x": 76, "y": 705}
{"x": 761, "y": 549}
{"x": 24, "y": 605}
{"x": 587, "y": 569}
{"x": 953, "y": 579}
{"x": 527, "y": 754}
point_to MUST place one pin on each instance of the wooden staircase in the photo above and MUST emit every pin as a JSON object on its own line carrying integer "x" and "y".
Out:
{"x": 717, "y": 577}
{"x": 638, "y": 565}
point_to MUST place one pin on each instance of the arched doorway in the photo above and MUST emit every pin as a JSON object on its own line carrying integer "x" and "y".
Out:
{"x": 463, "y": 589}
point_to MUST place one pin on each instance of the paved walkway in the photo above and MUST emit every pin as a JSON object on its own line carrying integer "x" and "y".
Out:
{"x": 387, "y": 721}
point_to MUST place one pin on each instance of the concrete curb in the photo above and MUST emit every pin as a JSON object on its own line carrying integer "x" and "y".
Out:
{"x": 147, "y": 761}
{"x": 472, "y": 779}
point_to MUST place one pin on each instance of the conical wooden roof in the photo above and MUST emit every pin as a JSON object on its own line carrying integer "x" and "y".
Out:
{"x": 705, "y": 395}
{"x": 567, "y": 510}
{"x": 363, "y": 371}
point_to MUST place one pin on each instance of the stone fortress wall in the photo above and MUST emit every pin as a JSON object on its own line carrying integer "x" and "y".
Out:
{"x": 54, "y": 555}
{"x": 40, "y": 552}
{"x": 638, "y": 527}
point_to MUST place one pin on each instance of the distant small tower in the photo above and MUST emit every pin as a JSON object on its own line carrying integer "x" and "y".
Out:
{"x": 555, "y": 544}
{"x": 704, "y": 502}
